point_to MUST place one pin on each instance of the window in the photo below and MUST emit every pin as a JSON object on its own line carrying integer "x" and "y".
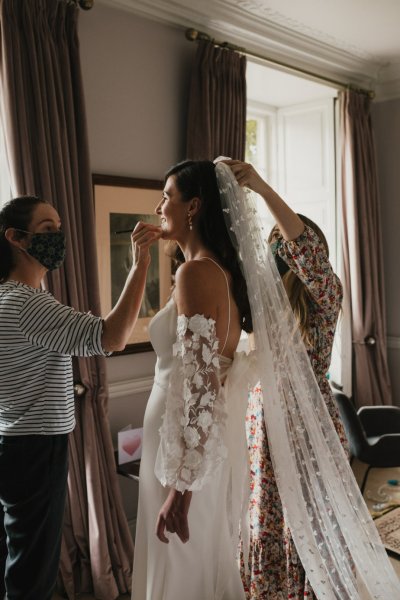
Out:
{"x": 260, "y": 138}
{"x": 261, "y": 149}
{"x": 293, "y": 148}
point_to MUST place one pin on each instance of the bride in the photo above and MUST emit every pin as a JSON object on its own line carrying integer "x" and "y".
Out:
{"x": 192, "y": 479}
{"x": 195, "y": 337}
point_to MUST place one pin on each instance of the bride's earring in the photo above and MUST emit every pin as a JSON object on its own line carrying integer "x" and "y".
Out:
{"x": 190, "y": 221}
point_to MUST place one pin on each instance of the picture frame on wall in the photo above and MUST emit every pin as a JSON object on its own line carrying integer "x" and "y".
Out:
{"x": 120, "y": 202}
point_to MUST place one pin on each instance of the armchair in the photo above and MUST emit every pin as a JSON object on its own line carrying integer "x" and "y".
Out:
{"x": 373, "y": 433}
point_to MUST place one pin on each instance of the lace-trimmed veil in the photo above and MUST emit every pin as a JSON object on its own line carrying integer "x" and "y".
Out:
{"x": 335, "y": 536}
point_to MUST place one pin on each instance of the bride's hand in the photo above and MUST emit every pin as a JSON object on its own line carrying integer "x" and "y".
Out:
{"x": 246, "y": 175}
{"x": 173, "y": 516}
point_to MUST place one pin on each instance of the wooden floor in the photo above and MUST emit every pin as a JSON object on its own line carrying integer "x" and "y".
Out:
{"x": 377, "y": 478}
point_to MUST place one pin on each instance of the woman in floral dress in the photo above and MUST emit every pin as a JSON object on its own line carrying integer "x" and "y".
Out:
{"x": 273, "y": 570}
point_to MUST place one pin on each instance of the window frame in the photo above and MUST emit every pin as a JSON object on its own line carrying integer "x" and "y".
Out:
{"x": 267, "y": 117}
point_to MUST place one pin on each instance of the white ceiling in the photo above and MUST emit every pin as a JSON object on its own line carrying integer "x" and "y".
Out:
{"x": 366, "y": 28}
{"x": 356, "y": 41}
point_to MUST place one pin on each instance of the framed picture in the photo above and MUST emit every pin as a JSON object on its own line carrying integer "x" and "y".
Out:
{"x": 120, "y": 202}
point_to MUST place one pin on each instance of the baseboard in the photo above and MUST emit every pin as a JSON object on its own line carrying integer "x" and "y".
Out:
{"x": 130, "y": 387}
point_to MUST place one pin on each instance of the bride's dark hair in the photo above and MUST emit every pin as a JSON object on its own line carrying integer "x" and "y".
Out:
{"x": 198, "y": 179}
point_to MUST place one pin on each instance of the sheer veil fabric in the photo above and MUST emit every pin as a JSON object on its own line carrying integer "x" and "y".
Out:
{"x": 334, "y": 534}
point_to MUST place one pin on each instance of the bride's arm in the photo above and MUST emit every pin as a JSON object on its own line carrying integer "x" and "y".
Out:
{"x": 191, "y": 444}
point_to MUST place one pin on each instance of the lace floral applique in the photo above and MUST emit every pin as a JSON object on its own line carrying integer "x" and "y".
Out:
{"x": 191, "y": 446}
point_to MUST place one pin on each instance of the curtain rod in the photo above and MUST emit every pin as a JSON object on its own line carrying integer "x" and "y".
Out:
{"x": 195, "y": 35}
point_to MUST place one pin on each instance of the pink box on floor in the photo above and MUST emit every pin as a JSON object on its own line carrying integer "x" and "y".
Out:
{"x": 129, "y": 445}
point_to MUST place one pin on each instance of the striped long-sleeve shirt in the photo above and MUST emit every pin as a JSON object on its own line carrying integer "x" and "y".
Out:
{"x": 38, "y": 336}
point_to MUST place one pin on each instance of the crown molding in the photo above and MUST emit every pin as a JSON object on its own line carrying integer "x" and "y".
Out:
{"x": 250, "y": 24}
{"x": 300, "y": 52}
{"x": 261, "y": 9}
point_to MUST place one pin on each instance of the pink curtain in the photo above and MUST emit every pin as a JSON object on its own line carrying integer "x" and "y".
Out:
{"x": 217, "y": 104}
{"x": 362, "y": 250}
{"x": 43, "y": 113}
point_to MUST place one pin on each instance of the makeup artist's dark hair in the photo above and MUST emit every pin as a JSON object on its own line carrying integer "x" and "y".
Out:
{"x": 16, "y": 213}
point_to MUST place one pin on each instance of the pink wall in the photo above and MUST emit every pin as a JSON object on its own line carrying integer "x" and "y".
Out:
{"x": 136, "y": 75}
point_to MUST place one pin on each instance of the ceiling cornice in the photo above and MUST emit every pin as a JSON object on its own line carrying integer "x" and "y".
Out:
{"x": 271, "y": 16}
{"x": 271, "y": 35}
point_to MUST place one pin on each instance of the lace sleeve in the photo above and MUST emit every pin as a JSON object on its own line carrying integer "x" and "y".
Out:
{"x": 191, "y": 444}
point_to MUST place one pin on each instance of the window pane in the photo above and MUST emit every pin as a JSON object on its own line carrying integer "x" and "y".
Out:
{"x": 251, "y": 141}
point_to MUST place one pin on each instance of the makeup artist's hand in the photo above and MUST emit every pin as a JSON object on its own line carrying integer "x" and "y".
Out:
{"x": 142, "y": 237}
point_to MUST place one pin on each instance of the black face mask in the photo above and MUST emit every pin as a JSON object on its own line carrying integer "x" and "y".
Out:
{"x": 48, "y": 248}
{"x": 280, "y": 263}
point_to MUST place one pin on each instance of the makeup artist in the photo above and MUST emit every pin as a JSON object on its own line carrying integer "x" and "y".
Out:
{"x": 38, "y": 336}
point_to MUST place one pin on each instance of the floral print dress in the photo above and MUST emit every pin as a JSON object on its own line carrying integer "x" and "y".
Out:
{"x": 274, "y": 571}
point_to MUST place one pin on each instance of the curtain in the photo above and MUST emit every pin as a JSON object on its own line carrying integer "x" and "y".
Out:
{"x": 43, "y": 114}
{"x": 362, "y": 251}
{"x": 217, "y": 104}
{"x": 4, "y": 176}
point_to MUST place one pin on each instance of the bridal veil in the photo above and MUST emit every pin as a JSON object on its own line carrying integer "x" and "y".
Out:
{"x": 335, "y": 536}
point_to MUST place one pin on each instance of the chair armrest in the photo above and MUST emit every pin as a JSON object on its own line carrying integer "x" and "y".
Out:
{"x": 379, "y": 420}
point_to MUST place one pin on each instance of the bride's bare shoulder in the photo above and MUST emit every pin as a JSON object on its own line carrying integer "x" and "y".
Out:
{"x": 196, "y": 288}
{"x": 198, "y": 272}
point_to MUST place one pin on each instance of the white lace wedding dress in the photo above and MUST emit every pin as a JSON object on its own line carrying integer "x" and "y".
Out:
{"x": 196, "y": 453}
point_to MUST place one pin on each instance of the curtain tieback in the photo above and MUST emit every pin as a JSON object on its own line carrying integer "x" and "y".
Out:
{"x": 79, "y": 389}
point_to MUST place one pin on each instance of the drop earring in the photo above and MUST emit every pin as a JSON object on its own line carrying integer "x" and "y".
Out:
{"x": 190, "y": 221}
